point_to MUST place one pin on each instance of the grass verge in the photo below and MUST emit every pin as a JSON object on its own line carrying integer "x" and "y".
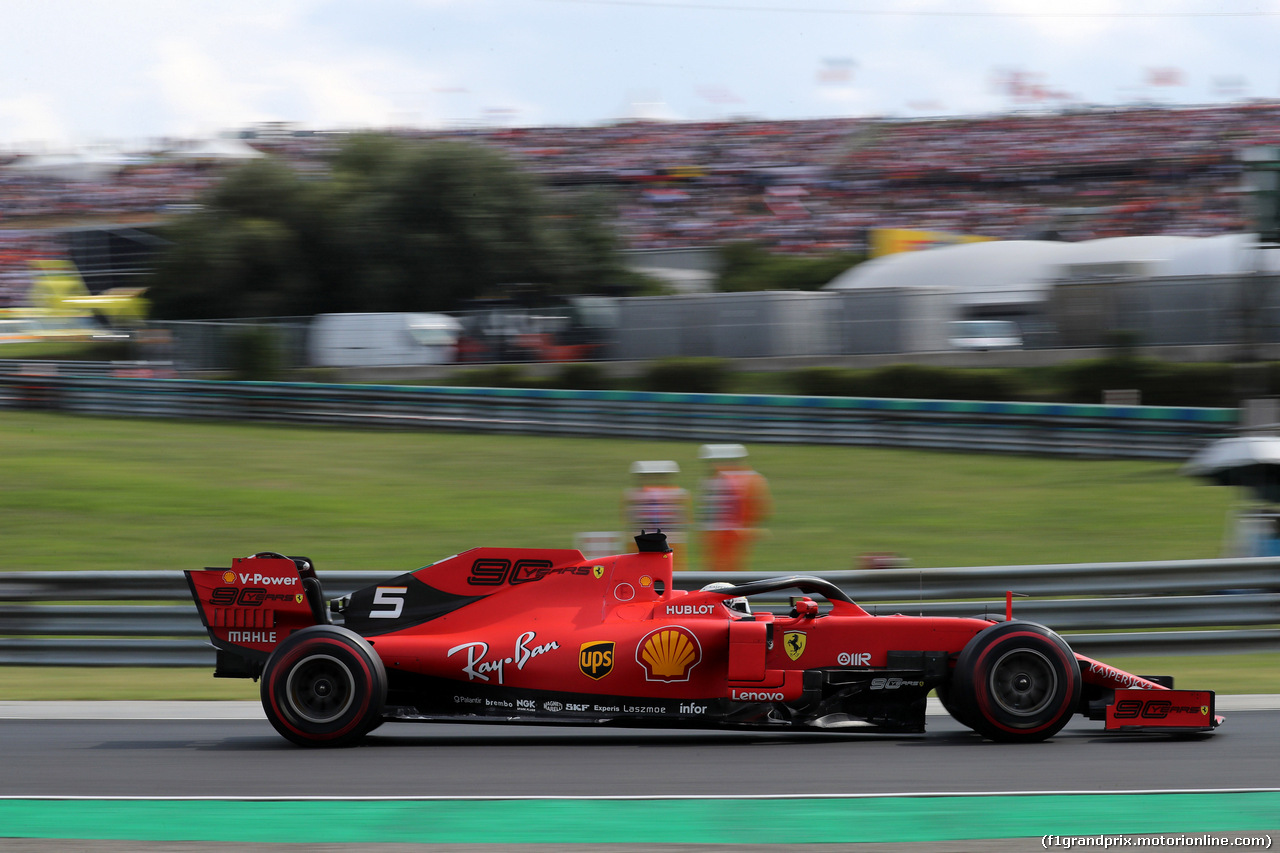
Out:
{"x": 102, "y": 494}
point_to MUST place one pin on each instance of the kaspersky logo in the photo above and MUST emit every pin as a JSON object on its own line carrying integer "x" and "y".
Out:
{"x": 668, "y": 654}
{"x": 595, "y": 659}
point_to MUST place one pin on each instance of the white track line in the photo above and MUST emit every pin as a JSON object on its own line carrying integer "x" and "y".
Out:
{"x": 641, "y": 797}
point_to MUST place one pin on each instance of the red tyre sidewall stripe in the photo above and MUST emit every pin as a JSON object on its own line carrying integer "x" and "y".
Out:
{"x": 309, "y": 648}
{"x": 981, "y": 686}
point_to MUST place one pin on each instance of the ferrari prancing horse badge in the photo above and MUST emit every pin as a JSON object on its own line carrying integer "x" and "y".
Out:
{"x": 794, "y": 642}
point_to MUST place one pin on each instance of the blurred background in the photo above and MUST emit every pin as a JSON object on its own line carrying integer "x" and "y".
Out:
{"x": 880, "y": 243}
{"x": 1003, "y": 200}
{"x": 517, "y": 182}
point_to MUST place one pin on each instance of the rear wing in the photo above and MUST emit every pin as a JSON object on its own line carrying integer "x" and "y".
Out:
{"x": 252, "y": 606}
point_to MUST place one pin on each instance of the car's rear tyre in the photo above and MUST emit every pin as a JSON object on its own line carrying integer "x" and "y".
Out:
{"x": 1016, "y": 681}
{"x": 324, "y": 686}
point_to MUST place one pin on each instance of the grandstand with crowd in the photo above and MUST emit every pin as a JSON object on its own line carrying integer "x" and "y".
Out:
{"x": 805, "y": 187}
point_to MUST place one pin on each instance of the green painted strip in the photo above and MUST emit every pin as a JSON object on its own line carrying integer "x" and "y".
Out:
{"x": 802, "y": 820}
{"x": 233, "y": 391}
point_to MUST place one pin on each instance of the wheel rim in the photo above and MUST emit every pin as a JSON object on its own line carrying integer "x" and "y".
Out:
{"x": 320, "y": 689}
{"x": 1023, "y": 682}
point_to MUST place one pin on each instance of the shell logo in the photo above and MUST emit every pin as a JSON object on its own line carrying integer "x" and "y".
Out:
{"x": 228, "y": 577}
{"x": 668, "y": 654}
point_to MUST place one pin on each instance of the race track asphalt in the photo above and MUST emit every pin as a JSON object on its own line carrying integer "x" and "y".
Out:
{"x": 190, "y": 754}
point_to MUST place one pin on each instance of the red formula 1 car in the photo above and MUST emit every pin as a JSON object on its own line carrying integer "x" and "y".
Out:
{"x": 546, "y": 636}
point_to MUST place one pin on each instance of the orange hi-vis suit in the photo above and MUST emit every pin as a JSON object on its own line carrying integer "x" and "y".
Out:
{"x": 735, "y": 502}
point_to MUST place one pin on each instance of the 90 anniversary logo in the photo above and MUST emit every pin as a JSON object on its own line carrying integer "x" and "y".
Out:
{"x": 227, "y": 596}
{"x": 499, "y": 572}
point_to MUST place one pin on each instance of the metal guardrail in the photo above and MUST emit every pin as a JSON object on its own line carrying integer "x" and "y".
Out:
{"x": 1100, "y": 431}
{"x": 50, "y": 367}
{"x": 1214, "y": 605}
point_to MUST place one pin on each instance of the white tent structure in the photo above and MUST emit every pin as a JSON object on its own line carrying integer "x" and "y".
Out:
{"x": 68, "y": 167}
{"x": 994, "y": 272}
{"x": 219, "y": 149}
{"x": 1017, "y": 273}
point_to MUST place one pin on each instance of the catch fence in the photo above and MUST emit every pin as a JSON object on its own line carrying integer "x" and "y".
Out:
{"x": 1093, "y": 431}
{"x": 146, "y": 618}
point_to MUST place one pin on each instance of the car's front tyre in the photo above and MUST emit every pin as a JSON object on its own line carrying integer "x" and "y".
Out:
{"x": 1016, "y": 681}
{"x": 949, "y": 704}
{"x": 324, "y": 686}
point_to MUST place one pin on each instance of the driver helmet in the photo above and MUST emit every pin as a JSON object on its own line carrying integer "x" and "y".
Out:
{"x": 739, "y": 603}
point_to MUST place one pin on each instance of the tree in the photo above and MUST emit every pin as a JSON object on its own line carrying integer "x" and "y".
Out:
{"x": 264, "y": 243}
{"x": 392, "y": 226}
{"x": 747, "y": 266}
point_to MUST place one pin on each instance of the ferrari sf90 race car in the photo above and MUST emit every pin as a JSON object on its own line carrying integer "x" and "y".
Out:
{"x": 547, "y": 636}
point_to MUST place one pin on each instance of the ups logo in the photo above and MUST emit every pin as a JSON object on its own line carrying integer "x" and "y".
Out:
{"x": 596, "y": 659}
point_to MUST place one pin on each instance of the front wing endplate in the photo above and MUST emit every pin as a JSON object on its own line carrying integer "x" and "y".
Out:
{"x": 1162, "y": 710}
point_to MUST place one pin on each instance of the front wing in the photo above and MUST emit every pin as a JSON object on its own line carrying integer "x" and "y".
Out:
{"x": 1139, "y": 710}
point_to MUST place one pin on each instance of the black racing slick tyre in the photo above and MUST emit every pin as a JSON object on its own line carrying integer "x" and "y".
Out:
{"x": 949, "y": 705}
{"x": 1015, "y": 681}
{"x": 324, "y": 686}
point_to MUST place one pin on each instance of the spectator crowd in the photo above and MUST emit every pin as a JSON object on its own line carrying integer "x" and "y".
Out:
{"x": 795, "y": 186}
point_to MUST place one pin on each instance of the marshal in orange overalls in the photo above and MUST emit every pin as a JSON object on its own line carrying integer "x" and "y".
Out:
{"x": 735, "y": 502}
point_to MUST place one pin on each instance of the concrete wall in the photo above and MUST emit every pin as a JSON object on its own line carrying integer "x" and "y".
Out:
{"x": 764, "y": 324}
{"x": 774, "y": 324}
{"x": 893, "y": 320}
{"x": 1189, "y": 311}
